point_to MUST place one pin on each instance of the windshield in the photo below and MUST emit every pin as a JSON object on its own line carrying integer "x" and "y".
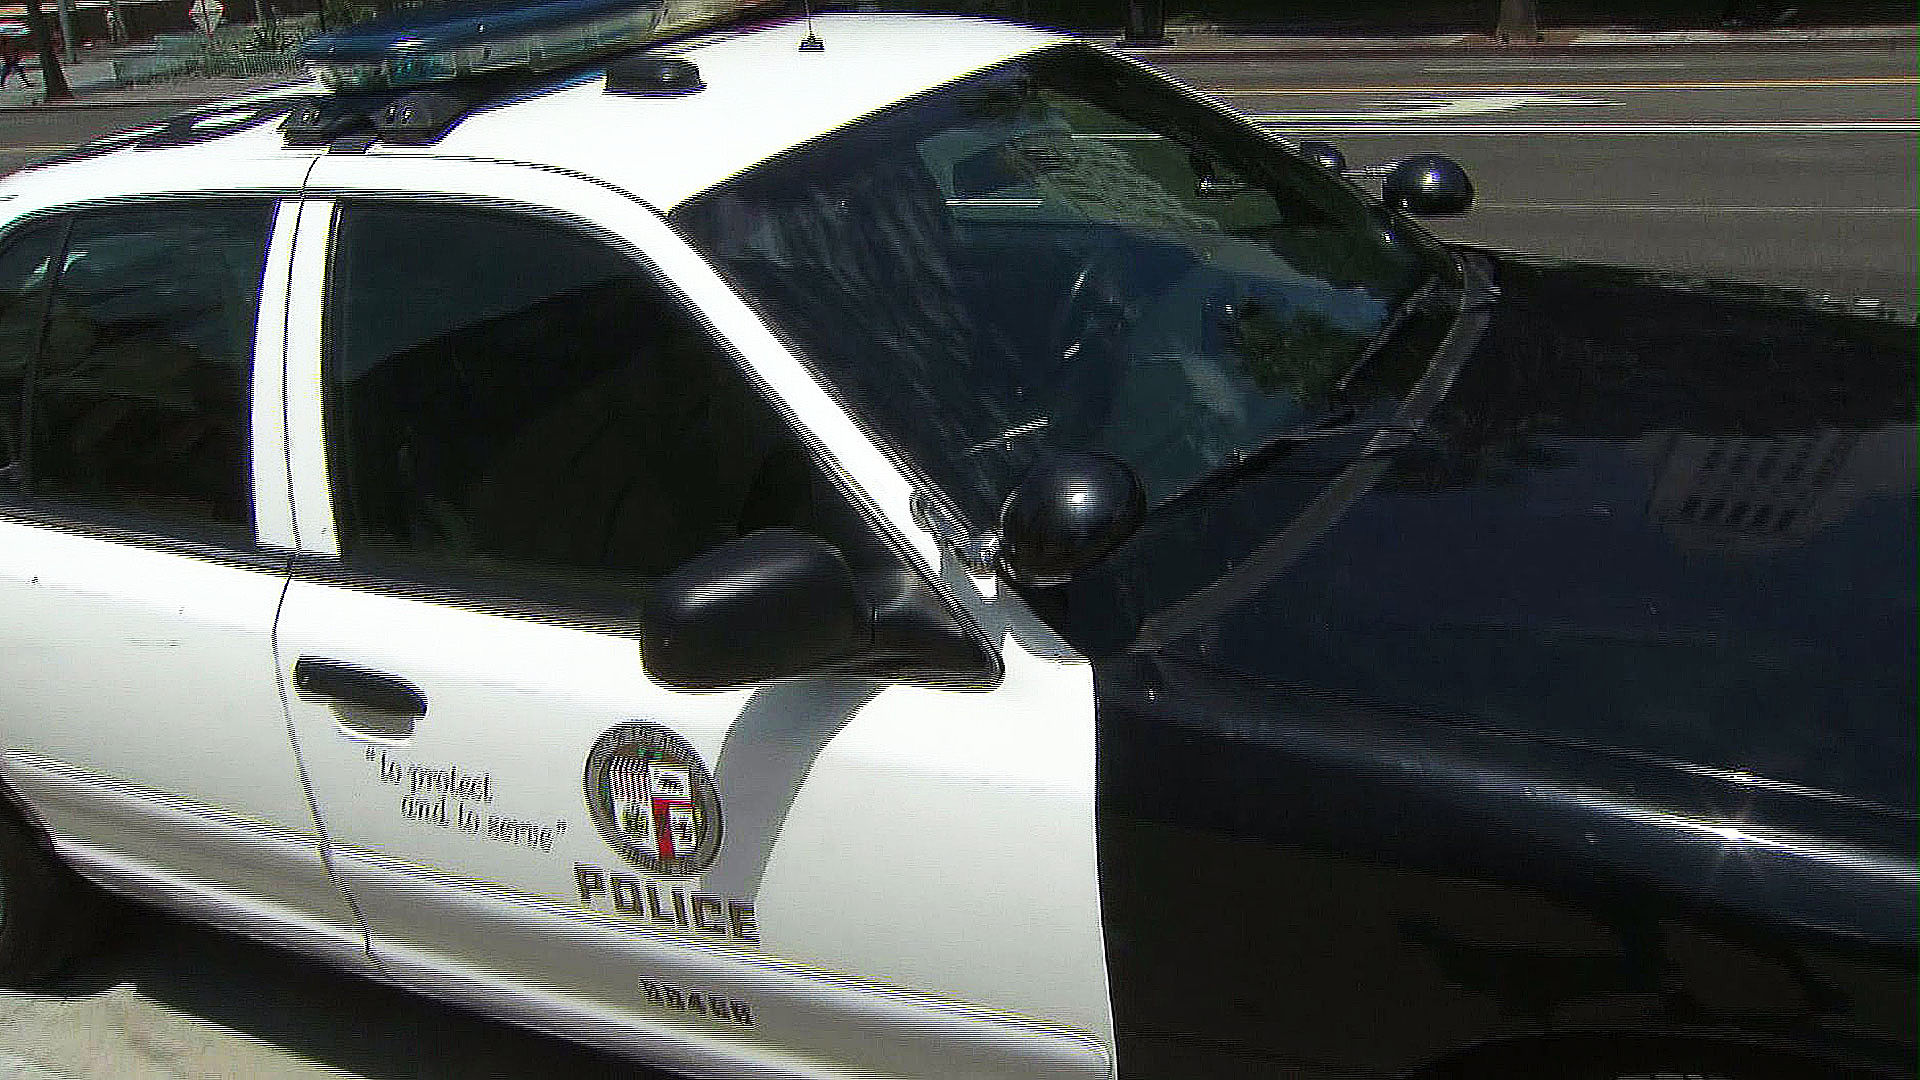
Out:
{"x": 1063, "y": 253}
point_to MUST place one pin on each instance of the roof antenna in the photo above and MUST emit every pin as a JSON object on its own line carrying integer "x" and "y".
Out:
{"x": 811, "y": 43}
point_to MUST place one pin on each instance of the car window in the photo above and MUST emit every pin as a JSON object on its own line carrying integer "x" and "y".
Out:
{"x": 1062, "y": 253}
{"x": 524, "y": 407}
{"x": 1079, "y": 163}
{"x": 25, "y": 263}
{"x": 136, "y": 398}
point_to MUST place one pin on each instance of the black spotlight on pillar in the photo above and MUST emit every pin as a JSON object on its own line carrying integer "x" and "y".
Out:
{"x": 1428, "y": 184}
{"x": 1146, "y": 23}
{"x": 1325, "y": 155}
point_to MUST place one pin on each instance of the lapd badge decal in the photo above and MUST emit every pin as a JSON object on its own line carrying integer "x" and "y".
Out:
{"x": 653, "y": 800}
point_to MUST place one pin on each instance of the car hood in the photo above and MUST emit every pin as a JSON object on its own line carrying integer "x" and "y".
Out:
{"x": 1664, "y": 519}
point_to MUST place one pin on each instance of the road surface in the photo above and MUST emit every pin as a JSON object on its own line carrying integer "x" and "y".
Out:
{"x": 1793, "y": 166}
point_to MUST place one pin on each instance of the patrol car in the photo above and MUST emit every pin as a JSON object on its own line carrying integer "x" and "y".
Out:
{"x": 904, "y": 546}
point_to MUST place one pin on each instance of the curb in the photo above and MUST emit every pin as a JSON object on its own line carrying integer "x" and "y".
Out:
{"x": 81, "y": 103}
{"x": 1822, "y": 36}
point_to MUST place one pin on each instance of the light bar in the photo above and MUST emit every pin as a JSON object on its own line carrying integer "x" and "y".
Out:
{"x": 461, "y": 40}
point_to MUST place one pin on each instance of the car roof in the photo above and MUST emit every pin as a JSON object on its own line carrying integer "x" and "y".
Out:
{"x": 763, "y": 95}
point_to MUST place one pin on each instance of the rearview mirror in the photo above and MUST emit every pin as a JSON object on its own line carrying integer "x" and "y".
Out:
{"x": 769, "y": 605}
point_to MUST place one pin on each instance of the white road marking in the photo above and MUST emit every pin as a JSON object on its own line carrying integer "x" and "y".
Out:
{"x": 1842, "y": 83}
{"x": 1331, "y": 122}
{"x": 1624, "y": 65}
{"x": 1478, "y": 105}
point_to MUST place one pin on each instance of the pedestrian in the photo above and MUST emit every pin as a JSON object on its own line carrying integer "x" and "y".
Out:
{"x": 10, "y": 53}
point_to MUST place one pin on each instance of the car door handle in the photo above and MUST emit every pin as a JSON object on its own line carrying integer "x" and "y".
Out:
{"x": 357, "y": 686}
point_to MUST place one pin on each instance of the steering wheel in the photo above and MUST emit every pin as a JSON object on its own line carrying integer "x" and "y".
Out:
{"x": 1084, "y": 346}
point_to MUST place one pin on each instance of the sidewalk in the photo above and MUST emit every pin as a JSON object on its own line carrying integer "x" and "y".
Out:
{"x": 83, "y": 76}
{"x": 95, "y": 80}
{"x": 14, "y": 1067}
{"x": 97, "y": 88}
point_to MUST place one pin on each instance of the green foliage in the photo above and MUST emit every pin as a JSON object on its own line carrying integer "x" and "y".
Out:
{"x": 242, "y": 59}
{"x": 278, "y": 35}
{"x": 338, "y": 13}
{"x": 1301, "y": 351}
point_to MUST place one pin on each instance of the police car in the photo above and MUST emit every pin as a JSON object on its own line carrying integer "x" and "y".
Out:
{"x": 905, "y": 546}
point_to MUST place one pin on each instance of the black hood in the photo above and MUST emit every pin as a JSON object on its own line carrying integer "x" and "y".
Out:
{"x": 1651, "y": 517}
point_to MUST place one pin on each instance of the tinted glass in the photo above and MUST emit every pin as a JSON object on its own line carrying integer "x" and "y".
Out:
{"x": 521, "y": 405}
{"x": 1064, "y": 253}
{"x": 140, "y": 397}
{"x": 24, "y": 279}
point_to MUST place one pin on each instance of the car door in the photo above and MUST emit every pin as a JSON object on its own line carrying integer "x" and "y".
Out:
{"x": 516, "y": 404}
{"x": 143, "y": 553}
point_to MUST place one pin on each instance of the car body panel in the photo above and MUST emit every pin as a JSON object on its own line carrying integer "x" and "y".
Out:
{"x": 1537, "y": 739}
{"x": 830, "y": 789}
{"x": 1497, "y": 887}
{"x": 138, "y": 672}
{"x": 1643, "y": 517}
{"x": 208, "y": 862}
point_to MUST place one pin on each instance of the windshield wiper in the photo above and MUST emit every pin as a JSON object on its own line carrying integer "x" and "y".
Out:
{"x": 1340, "y": 419}
{"x": 1416, "y": 301}
{"x": 1333, "y": 423}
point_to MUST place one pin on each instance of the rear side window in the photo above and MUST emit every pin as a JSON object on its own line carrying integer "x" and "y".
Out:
{"x": 134, "y": 378}
{"x": 26, "y": 278}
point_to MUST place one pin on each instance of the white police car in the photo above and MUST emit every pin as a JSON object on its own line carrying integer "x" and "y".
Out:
{"x": 916, "y": 547}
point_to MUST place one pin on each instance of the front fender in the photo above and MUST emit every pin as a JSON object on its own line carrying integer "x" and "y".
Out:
{"x": 1303, "y": 883}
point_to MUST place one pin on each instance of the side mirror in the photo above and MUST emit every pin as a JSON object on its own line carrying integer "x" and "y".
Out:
{"x": 1428, "y": 184}
{"x": 766, "y": 606}
{"x": 1070, "y": 512}
{"x": 1325, "y": 155}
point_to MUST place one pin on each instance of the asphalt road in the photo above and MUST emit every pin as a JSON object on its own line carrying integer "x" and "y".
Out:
{"x": 1788, "y": 165}
{"x": 1792, "y": 166}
